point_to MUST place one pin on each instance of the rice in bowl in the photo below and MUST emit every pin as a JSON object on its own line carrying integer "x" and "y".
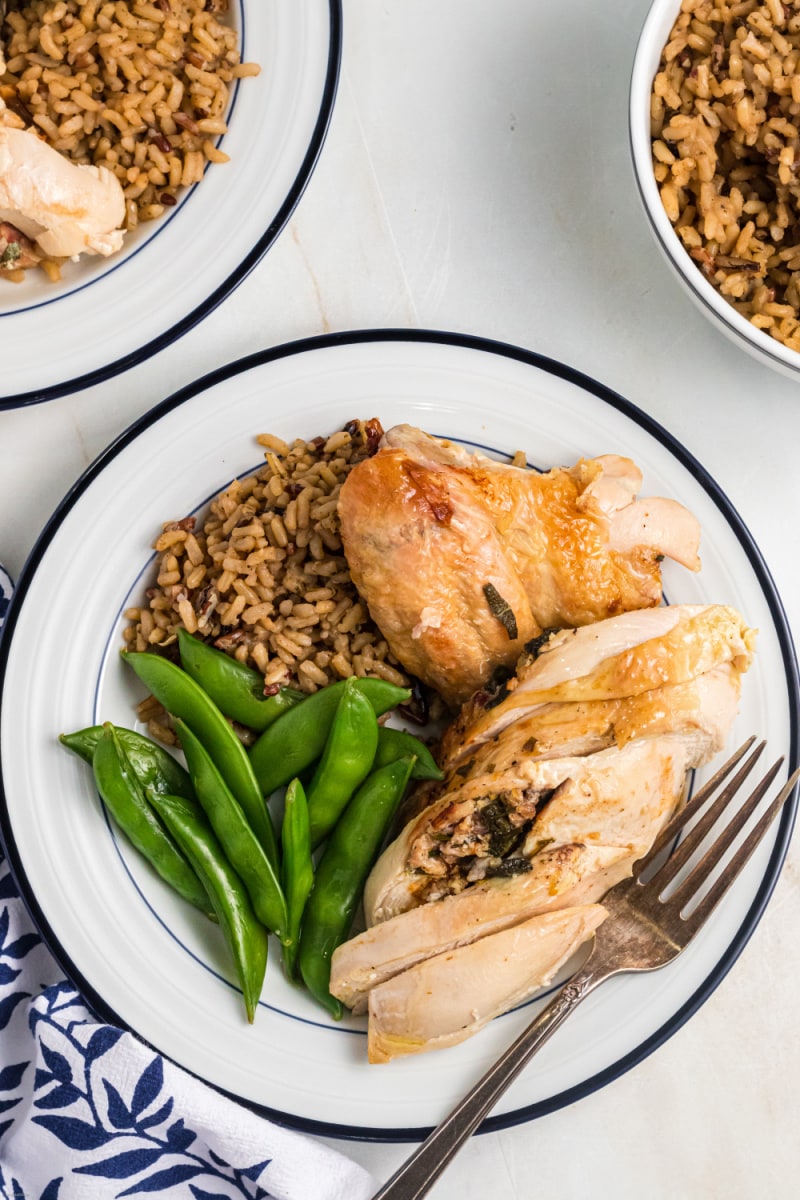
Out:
{"x": 725, "y": 106}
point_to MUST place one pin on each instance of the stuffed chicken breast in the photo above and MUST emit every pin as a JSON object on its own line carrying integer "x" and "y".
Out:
{"x": 556, "y": 783}
{"x": 495, "y": 825}
{"x": 565, "y": 876}
{"x": 633, "y": 656}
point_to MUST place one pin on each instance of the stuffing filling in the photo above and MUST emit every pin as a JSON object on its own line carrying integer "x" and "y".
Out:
{"x": 470, "y": 840}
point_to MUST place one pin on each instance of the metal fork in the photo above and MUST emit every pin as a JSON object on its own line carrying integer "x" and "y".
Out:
{"x": 649, "y": 923}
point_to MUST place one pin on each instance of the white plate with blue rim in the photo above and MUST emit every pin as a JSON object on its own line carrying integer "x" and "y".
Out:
{"x": 145, "y": 960}
{"x": 108, "y": 314}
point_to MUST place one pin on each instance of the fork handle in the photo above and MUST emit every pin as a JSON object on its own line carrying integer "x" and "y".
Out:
{"x": 421, "y": 1170}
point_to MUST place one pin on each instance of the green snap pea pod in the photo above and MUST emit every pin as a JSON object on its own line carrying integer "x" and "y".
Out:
{"x": 245, "y": 935}
{"x": 346, "y": 760}
{"x": 398, "y": 743}
{"x": 236, "y": 689}
{"x": 297, "y": 868}
{"x": 297, "y": 739}
{"x": 342, "y": 872}
{"x": 127, "y": 802}
{"x": 154, "y": 767}
{"x": 186, "y": 700}
{"x": 229, "y": 822}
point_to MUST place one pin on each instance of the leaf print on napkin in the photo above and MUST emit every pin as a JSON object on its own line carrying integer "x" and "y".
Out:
{"x": 103, "y": 1119}
{"x": 86, "y": 1109}
{"x": 16, "y": 1192}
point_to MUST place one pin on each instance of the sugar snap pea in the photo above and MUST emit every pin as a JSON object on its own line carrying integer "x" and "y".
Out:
{"x": 398, "y": 743}
{"x": 243, "y": 932}
{"x": 229, "y": 822}
{"x": 183, "y": 698}
{"x": 346, "y": 760}
{"x": 128, "y": 804}
{"x": 297, "y": 868}
{"x": 154, "y": 767}
{"x": 236, "y": 689}
{"x": 342, "y": 872}
{"x": 297, "y": 739}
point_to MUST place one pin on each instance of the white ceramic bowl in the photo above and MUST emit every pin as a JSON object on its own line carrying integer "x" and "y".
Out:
{"x": 653, "y": 38}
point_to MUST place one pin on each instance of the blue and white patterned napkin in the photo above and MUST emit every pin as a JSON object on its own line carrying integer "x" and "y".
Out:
{"x": 88, "y": 1112}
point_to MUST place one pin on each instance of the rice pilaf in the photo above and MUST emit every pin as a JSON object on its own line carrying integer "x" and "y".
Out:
{"x": 726, "y": 150}
{"x": 262, "y": 574}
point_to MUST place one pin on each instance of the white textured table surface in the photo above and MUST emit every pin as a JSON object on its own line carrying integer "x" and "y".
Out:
{"x": 476, "y": 178}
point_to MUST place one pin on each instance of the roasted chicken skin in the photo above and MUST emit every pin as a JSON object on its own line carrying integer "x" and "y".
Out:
{"x": 463, "y": 560}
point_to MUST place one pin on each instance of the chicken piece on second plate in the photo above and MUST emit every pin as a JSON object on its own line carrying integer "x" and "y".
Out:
{"x": 62, "y": 208}
{"x": 463, "y": 560}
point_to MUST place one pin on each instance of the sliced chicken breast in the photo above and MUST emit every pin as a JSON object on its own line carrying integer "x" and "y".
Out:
{"x": 564, "y": 877}
{"x": 617, "y": 799}
{"x": 623, "y": 656}
{"x": 706, "y": 704}
{"x": 448, "y": 998}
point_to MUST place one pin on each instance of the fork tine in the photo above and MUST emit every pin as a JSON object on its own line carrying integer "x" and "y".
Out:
{"x": 685, "y": 814}
{"x": 710, "y": 901}
{"x": 725, "y": 839}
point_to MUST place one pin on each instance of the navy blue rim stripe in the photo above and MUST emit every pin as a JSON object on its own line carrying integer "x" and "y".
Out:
{"x": 173, "y": 334}
{"x": 640, "y": 418}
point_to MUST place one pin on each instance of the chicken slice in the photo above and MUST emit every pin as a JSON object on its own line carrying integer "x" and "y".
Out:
{"x": 623, "y": 656}
{"x": 563, "y": 877}
{"x": 704, "y": 707}
{"x": 448, "y": 998}
{"x": 617, "y": 799}
{"x": 463, "y": 560}
{"x": 63, "y": 208}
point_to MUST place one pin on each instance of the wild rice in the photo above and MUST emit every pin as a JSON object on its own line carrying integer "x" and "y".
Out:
{"x": 139, "y": 88}
{"x": 262, "y": 574}
{"x": 725, "y": 108}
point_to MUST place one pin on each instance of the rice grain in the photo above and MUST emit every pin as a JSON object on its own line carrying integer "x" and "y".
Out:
{"x": 242, "y": 578}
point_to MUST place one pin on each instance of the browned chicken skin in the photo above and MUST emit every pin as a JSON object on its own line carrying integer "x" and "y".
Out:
{"x": 463, "y": 560}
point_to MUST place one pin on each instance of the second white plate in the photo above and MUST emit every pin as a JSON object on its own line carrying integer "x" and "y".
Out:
{"x": 107, "y": 315}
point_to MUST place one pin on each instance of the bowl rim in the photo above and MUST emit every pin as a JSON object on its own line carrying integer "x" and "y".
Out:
{"x": 652, "y": 38}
